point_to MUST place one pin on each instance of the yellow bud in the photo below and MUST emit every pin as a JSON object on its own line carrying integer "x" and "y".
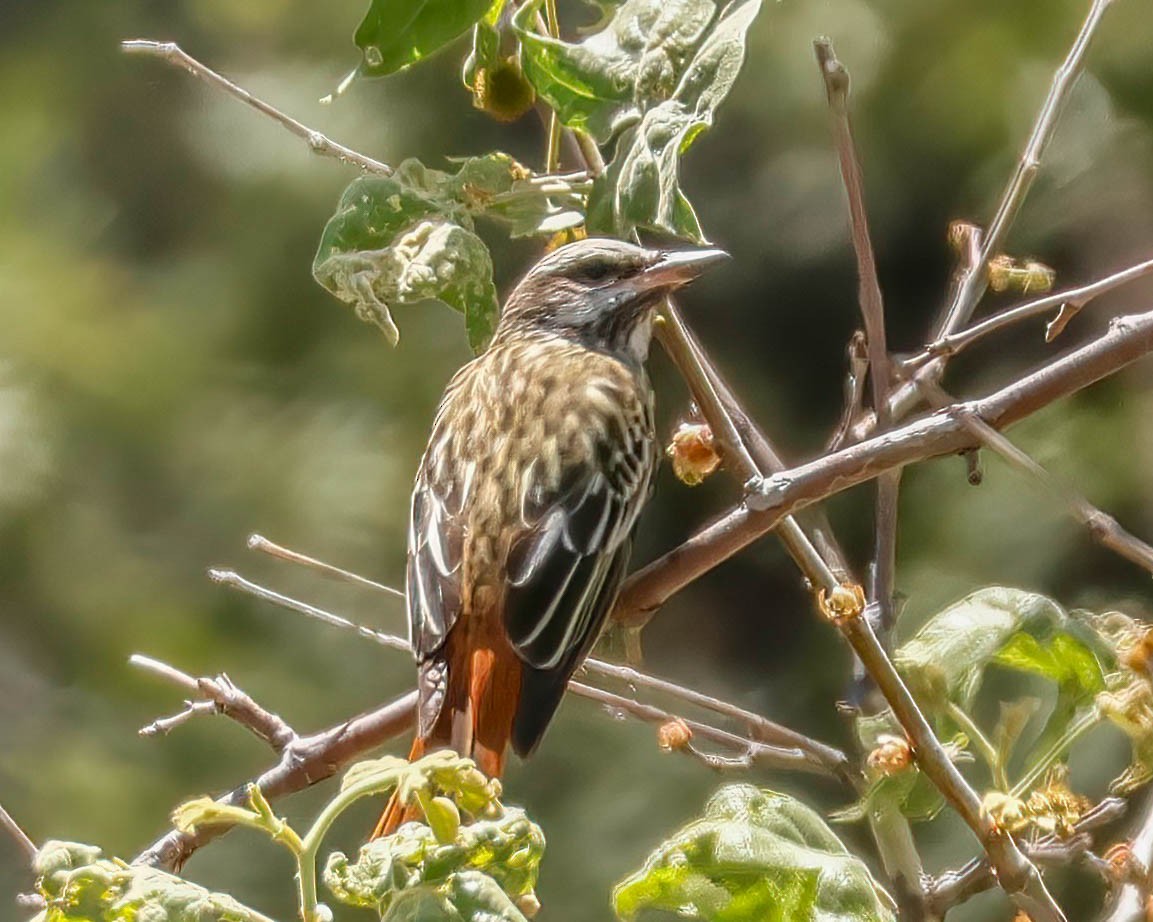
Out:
{"x": 443, "y": 819}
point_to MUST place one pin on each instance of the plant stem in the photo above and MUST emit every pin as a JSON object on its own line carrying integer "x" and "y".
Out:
{"x": 1073, "y": 733}
{"x": 987, "y": 750}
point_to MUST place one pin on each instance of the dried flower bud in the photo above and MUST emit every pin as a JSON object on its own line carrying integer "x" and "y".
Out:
{"x": 1137, "y": 654}
{"x": 842, "y": 603}
{"x": 1023, "y": 275}
{"x": 693, "y": 453}
{"x": 1124, "y": 866}
{"x": 892, "y": 755}
{"x": 674, "y": 735}
{"x": 960, "y": 235}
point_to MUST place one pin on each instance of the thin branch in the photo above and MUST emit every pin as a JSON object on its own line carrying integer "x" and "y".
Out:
{"x": 952, "y": 888}
{"x": 856, "y": 369}
{"x": 818, "y": 757}
{"x": 303, "y": 762}
{"x": 1103, "y": 528}
{"x": 1068, "y": 302}
{"x": 690, "y": 361}
{"x": 774, "y": 757}
{"x": 13, "y": 829}
{"x": 173, "y": 54}
{"x": 222, "y": 697}
{"x": 262, "y": 544}
{"x": 872, "y": 307}
{"x": 738, "y": 437}
{"x": 1128, "y": 339}
{"x": 975, "y": 280}
{"x": 1015, "y": 873}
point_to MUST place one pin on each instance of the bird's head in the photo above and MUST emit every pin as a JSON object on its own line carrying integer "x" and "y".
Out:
{"x": 601, "y": 293}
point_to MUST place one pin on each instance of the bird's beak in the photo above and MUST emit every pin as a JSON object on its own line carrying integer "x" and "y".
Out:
{"x": 674, "y": 268}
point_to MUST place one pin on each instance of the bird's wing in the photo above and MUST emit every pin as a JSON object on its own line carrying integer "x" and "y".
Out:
{"x": 566, "y": 565}
{"x": 436, "y": 534}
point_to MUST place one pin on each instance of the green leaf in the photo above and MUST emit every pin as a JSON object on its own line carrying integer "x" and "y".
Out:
{"x": 80, "y": 886}
{"x": 609, "y": 79}
{"x": 395, "y": 34}
{"x": 947, "y": 657}
{"x": 641, "y": 187}
{"x": 405, "y": 238}
{"x": 467, "y": 897}
{"x": 1064, "y": 659}
{"x": 754, "y": 855}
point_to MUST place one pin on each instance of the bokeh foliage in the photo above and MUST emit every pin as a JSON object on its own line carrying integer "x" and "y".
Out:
{"x": 172, "y": 379}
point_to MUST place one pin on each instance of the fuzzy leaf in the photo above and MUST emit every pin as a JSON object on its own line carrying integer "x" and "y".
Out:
{"x": 946, "y": 659}
{"x": 80, "y": 886}
{"x": 641, "y": 187}
{"x": 395, "y": 34}
{"x": 754, "y": 855}
{"x": 609, "y": 79}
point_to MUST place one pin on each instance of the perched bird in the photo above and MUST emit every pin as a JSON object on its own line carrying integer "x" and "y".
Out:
{"x": 540, "y": 459}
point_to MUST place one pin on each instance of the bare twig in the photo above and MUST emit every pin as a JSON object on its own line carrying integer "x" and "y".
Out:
{"x": 872, "y": 307}
{"x": 857, "y": 366}
{"x": 818, "y": 756}
{"x": 955, "y": 887}
{"x": 1103, "y": 528}
{"x": 737, "y": 436}
{"x": 173, "y": 54}
{"x": 222, "y": 697}
{"x": 755, "y": 753}
{"x": 1128, "y": 339}
{"x": 13, "y": 829}
{"x": 1068, "y": 302}
{"x": 303, "y": 762}
{"x": 975, "y": 280}
{"x": 262, "y": 544}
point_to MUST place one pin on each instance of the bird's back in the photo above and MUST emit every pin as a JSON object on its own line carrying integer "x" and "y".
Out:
{"x": 540, "y": 458}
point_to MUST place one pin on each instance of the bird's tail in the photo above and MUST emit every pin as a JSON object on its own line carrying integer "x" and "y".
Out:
{"x": 476, "y": 719}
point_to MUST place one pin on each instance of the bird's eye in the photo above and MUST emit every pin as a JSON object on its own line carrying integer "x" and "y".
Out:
{"x": 595, "y": 269}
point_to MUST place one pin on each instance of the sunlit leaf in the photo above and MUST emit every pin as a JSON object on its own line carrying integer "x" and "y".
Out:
{"x": 395, "y": 34}
{"x": 754, "y": 855}
{"x": 641, "y": 186}
{"x": 80, "y": 886}
{"x": 609, "y": 79}
{"x": 947, "y": 657}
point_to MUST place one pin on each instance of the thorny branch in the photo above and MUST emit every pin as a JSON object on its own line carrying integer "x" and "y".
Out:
{"x": 1103, "y": 528}
{"x": 891, "y": 833}
{"x": 173, "y": 54}
{"x": 817, "y": 757}
{"x": 973, "y": 281}
{"x": 1128, "y": 339}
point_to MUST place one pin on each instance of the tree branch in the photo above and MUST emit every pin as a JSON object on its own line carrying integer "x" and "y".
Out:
{"x": 1069, "y": 302}
{"x": 223, "y": 698}
{"x": 303, "y": 762}
{"x": 975, "y": 280}
{"x": 1128, "y": 339}
{"x": 1103, "y": 528}
{"x": 173, "y": 54}
{"x": 13, "y": 829}
{"x": 817, "y": 757}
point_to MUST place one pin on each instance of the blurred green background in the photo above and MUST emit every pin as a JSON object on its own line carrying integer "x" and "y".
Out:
{"x": 171, "y": 379}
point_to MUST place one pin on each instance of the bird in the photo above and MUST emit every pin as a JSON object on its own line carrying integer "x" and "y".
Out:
{"x": 540, "y": 459}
